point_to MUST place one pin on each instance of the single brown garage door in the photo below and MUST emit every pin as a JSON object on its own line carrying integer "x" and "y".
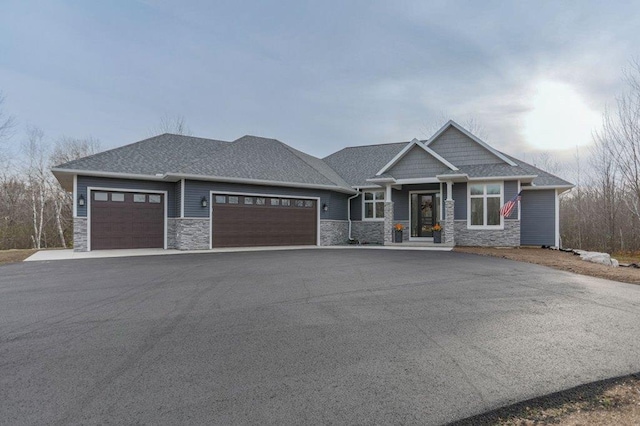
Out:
{"x": 244, "y": 221}
{"x": 125, "y": 220}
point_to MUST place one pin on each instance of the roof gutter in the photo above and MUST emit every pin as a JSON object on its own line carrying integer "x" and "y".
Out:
{"x": 175, "y": 177}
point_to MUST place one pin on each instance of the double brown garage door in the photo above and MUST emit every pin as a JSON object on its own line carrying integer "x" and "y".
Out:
{"x": 124, "y": 220}
{"x": 244, "y": 221}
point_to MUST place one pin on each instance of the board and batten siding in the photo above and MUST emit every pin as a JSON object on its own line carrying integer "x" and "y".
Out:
{"x": 195, "y": 190}
{"x": 538, "y": 218}
{"x": 459, "y": 195}
{"x": 417, "y": 163}
{"x": 142, "y": 185}
{"x": 510, "y": 191}
{"x": 460, "y": 150}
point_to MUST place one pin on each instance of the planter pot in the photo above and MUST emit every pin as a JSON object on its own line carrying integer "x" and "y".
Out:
{"x": 397, "y": 236}
{"x": 437, "y": 237}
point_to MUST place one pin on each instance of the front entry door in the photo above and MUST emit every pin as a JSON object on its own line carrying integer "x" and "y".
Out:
{"x": 425, "y": 210}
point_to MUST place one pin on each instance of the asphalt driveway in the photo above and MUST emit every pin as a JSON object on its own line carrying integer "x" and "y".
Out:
{"x": 301, "y": 337}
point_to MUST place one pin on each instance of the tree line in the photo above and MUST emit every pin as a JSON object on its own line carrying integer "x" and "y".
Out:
{"x": 601, "y": 213}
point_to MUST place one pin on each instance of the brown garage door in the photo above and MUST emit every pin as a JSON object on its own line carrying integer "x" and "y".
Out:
{"x": 244, "y": 221}
{"x": 123, "y": 220}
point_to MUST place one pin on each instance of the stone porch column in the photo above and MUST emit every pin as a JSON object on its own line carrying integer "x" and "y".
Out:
{"x": 388, "y": 222}
{"x": 449, "y": 205}
{"x": 449, "y": 237}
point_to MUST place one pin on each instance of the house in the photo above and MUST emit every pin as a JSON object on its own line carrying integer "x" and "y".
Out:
{"x": 188, "y": 193}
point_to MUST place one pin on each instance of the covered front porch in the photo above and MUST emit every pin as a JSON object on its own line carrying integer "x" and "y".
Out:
{"x": 418, "y": 208}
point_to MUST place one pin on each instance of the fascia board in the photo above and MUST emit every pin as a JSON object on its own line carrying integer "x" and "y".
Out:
{"x": 397, "y": 158}
{"x": 262, "y": 182}
{"x": 417, "y": 180}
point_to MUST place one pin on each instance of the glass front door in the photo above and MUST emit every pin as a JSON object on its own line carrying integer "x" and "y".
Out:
{"x": 425, "y": 212}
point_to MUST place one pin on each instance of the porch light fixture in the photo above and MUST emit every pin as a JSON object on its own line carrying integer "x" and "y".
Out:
{"x": 81, "y": 200}
{"x": 325, "y": 207}
{"x": 203, "y": 202}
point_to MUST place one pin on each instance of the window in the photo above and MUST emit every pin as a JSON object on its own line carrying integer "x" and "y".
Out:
{"x": 308, "y": 203}
{"x": 101, "y": 196}
{"x": 373, "y": 204}
{"x": 248, "y": 200}
{"x": 260, "y": 201}
{"x": 275, "y": 201}
{"x": 286, "y": 202}
{"x": 485, "y": 200}
{"x": 221, "y": 199}
{"x": 139, "y": 198}
{"x": 233, "y": 199}
{"x": 155, "y": 199}
{"x": 117, "y": 196}
{"x": 299, "y": 203}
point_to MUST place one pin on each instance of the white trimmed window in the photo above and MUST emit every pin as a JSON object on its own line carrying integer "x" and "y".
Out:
{"x": 485, "y": 200}
{"x": 373, "y": 205}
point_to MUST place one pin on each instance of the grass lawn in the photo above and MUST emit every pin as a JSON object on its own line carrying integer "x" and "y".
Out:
{"x": 627, "y": 257}
{"x": 12, "y": 256}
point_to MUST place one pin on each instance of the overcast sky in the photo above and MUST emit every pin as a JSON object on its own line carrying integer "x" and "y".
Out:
{"x": 318, "y": 76}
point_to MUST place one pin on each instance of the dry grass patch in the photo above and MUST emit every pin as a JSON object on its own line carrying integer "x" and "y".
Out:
{"x": 12, "y": 256}
{"x": 559, "y": 260}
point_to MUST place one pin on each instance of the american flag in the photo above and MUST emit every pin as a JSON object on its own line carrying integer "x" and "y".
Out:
{"x": 510, "y": 205}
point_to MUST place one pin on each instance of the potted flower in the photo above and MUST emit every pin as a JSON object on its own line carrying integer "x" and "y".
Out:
{"x": 437, "y": 233}
{"x": 397, "y": 232}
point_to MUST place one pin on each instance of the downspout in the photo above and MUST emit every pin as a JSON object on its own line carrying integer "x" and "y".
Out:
{"x": 349, "y": 211}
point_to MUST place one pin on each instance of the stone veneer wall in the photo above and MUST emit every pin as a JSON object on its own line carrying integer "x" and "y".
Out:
{"x": 388, "y": 222}
{"x": 371, "y": 232}
{"x": 507, "y": 237}
{"x": 334, "y": 232}
{"x": 192, "y": 234}
{"x": 80, "y": 234}
{"x": 171, "y": 233}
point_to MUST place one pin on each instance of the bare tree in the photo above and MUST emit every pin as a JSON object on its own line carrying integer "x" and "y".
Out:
{"x": 620, "y": 136}
{"x": 7, "y": 128}
{"x": 172, "y": 124}
{"x": 36, "y": 173}
{"x": 67, "y": 149}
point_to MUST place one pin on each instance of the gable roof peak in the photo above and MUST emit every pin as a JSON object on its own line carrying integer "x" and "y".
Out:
{"x": 473, "y": 137}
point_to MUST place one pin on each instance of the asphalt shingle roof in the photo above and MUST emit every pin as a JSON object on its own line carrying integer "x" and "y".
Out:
{"x": 249, "y": 157}
{"x": 159, "y": 154}
{"x": 257, "y": 158}
{"x": 356, "y": 164}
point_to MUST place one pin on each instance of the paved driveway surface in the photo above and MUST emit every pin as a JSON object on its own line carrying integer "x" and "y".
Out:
{"x": 307, "y": 336}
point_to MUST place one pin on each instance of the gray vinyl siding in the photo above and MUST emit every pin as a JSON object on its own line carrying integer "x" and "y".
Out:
{"x": 195, "y": 190}
{"x": 538, "y": 218}
{"x": 356, "y": 208}
{"x": 417, "y": 163}
{"x": 510, "y": 191}
{"x": 460, "y": 197}
{"x": 461, "y": 150}
{"x": 142, "y": 185}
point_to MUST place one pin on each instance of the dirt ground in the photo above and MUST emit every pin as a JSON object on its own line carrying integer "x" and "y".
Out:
{"x": 11, "y": 256}
{"x": 559, "y": 260}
